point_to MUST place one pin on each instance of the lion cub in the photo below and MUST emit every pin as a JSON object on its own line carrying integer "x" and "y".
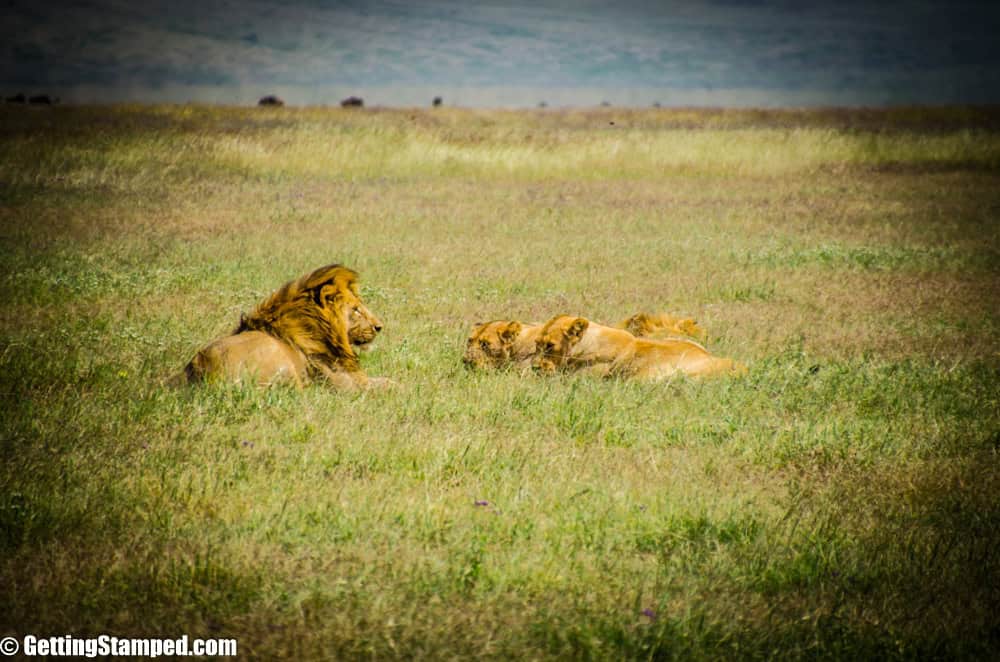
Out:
{"x": 503, "y": 343}
{"x": 575, "y": 343}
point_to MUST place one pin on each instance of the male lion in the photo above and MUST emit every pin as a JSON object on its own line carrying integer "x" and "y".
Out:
{"x": 509, "y": 342}
{"x": 302, "y": 332}
{"x": 575, "y": 343}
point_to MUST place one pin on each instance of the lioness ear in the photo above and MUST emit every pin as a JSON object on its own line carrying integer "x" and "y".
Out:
{"x": 509, "y": 333}
{"x": 631, "y": 324}
{"x": 577, "y": 328}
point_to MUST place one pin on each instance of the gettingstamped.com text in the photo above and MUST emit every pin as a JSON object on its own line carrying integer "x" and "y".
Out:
{"x": 108, "y": 646}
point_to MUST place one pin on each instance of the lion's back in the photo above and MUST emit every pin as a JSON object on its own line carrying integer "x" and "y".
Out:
{"x": 656, "y": 359}
{"x": 251, "y": 357}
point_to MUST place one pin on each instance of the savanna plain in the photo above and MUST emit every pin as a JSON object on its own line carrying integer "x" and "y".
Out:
{"x": 839, "y": 501}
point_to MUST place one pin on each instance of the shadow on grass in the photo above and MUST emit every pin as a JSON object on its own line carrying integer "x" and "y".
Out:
{"x": 900, "y": 564}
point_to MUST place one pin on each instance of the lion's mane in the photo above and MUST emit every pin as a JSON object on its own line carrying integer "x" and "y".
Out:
{"x": 310, "y": 314}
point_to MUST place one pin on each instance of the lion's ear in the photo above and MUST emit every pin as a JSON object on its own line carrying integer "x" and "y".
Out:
{"x": 577, "y": 327}
{"x": 327, "y": 295}
{"x": 634, "y": 324}
{"x": 510, "y": 332}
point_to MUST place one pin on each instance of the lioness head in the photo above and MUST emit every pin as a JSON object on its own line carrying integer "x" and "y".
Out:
{"x": 490, "y": 344}
{"x": 690, "y": 328}
{"x": 644, "y": 325}
{"x": 555, "y": 341}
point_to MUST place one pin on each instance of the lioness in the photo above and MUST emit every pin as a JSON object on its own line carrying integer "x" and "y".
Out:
{"x": 508, "y": 342}
{"x": 575, "y": 343}
{"x": 501, "y": 343}
{"x": 661, "y": 325}
{"x": 306, "y": 330}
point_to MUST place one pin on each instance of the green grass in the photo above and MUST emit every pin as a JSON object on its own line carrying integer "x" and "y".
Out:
{"x": 837, "y": 502}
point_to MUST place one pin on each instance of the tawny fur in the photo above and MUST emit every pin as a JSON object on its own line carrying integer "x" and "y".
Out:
{"x": 502, "y": 343}
{"x": 575, "y": 343}
{"x": 312, "y": 318}
{"x": 249, "y": 357}
{"x": 661, "y": 325}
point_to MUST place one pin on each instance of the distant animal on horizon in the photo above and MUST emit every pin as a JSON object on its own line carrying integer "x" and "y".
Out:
{"x": 271, "y": 100}
{"x": 352, "y": 102}
{"x": 305, "y": 332}
{"x": 503, "y": 343}
{"x": 437, "y": 102}
{"x": 17, "y": 98}
{"x": 575, "y": 344}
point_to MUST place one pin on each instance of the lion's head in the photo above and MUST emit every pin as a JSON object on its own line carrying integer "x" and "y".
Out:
{"x": 690, "y": 327}
{"x": 555, "y": 341}
{"x": 490, "y": 344}
{"x": 362, "y": 325}
{"x": 321, "y": 314}
{"x": 644, "y": 325}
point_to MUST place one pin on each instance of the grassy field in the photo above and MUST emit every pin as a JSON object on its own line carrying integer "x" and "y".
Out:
{"x": 841, "y": 501}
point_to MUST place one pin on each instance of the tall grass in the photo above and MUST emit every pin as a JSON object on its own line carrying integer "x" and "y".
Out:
{"x": 839, "y": 501}
{"x": 486, "y": 144}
